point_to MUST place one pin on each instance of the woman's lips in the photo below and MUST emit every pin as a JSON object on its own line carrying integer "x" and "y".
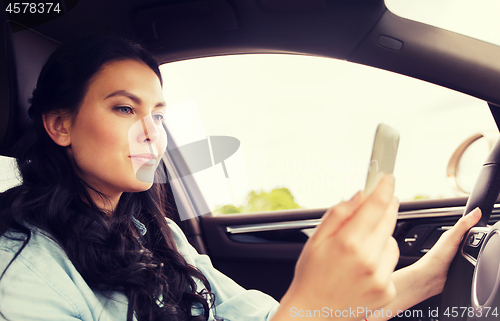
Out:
{"x": 144, "y": 159}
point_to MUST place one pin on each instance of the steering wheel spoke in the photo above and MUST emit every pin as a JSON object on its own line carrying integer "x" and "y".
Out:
{"x": 473, "y": 242}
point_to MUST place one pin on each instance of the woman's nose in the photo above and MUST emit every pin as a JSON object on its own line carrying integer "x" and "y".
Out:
{"x": 149, "y": 131}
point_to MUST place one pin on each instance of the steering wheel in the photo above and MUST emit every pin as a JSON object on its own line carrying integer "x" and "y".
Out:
{"x": 472, "y": 289}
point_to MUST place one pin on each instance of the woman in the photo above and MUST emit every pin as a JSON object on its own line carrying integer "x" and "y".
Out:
{"x": 85, "y": 237}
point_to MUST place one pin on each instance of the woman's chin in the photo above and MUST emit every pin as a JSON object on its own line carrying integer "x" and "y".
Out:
{"x": 139, "y": 186}
{"x": 146, "y": 174}
{"x": 143, "y": 181}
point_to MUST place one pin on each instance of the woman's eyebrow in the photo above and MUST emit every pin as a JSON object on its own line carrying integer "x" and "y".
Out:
{"x": 132, "y": 97}
{"x": 125, "y": 93}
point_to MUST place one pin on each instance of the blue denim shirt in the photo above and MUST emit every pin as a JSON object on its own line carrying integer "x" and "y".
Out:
{"x": 42, "y": 284}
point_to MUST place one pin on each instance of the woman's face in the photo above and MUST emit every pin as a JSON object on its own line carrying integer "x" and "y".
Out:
{"x": 117, "y": 136}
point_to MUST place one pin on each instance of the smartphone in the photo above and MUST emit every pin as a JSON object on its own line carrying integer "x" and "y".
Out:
{"x": 385, "y": 148}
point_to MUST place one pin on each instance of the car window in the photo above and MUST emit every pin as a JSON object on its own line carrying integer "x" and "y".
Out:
{"x": 291, "y": 131}
{"x": 9, "y": 175}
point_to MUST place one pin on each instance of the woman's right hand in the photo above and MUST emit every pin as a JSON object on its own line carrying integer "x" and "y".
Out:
{"x": 347, "y": 264}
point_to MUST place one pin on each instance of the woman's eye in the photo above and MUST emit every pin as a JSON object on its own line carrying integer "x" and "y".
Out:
{"x": 125, "y": 110}
{"x": 158, "y": 117}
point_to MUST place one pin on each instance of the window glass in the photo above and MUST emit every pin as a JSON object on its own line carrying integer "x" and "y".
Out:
{"x": 299, "y": 130}
{"x": 9, "y": 175}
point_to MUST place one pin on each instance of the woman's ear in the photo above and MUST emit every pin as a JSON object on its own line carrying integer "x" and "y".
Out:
{"x": 57, "y": 125}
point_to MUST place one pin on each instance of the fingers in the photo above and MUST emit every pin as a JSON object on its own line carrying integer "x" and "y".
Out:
{"x": 338, "y": 215}
{"x": 385, "y": 227}
{"x": 468, "y": 221}
{"x": 454, "y": 236}
{"x": 373, "y": 210}
{"x": 367, "y": 221}
{"x": 351, "y": 257}
{"x": 437, "y": 261}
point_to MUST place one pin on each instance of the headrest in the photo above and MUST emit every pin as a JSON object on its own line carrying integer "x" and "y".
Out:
{"x": 27, "y": 51}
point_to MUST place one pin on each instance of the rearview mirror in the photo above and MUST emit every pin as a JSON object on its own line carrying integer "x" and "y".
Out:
{"x": 465, "y": 163}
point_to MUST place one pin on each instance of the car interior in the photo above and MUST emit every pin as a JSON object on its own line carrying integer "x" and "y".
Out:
{"x": 259, "y": 250}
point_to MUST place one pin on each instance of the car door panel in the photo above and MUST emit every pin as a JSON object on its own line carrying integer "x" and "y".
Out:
{"x": 259, "y": 250}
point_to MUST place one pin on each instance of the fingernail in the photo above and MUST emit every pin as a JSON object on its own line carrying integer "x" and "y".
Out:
{"x": 475, "y": 212}
{"x": 356, "y": 198}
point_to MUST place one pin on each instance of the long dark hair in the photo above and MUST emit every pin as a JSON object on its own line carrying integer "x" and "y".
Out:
{"x": 106, "y": 250}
